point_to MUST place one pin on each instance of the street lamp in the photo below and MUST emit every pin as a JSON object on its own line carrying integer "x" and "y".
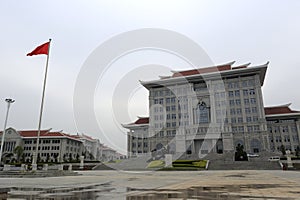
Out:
{"x": 9, "y": 101}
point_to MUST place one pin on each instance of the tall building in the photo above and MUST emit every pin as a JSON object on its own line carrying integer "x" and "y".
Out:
{"x": 204, "y": 110}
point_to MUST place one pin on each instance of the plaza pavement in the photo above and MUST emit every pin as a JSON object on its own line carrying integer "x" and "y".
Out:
{"x": 242, "y": 184}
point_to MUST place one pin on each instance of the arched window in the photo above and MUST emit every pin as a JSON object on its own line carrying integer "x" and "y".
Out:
{"x": 202, "y": 113}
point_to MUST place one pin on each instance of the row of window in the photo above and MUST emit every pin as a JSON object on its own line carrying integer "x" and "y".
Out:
{"x": 139, "y": 144}
{"x": 244, "y": 83}
{"x": 202, "y": 86}
{"x": 29, "y": 148}
{"x": 241, "y": 129}
{"x": 283, "y": 129}
{"x": 42, "y": 141}
{"x": 285, "y": 138}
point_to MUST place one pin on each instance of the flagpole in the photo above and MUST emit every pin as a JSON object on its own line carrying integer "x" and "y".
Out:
{"x": 34, "y": 160}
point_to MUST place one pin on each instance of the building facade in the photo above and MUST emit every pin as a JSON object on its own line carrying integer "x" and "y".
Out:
{"x": 92, "y": 147}
{"x": 205, "y": 110}
{"x": 53, "y": 146}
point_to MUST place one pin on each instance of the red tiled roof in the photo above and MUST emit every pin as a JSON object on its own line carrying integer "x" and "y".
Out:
{"x": 88, "y": 137}
{"x": 142, "y": 120}
{"x": 33, "y": 133}
{"x": 45, "y": 133}
{"x": 279, "y": 110}
{"x": 203, "y": 70}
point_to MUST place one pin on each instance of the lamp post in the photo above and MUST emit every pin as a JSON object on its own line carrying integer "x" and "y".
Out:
{"x": 9, "y": 101}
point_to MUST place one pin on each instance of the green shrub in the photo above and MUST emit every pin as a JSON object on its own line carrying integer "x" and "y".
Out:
{"x": 190, "y": 163}
{"x": 156, "y": 164}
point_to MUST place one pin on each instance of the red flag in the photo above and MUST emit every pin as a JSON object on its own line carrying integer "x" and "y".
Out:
{"x": 42, "y": 49}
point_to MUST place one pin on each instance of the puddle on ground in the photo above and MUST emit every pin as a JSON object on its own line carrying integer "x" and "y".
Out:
{"x": 61, "y": 193}
{"x": 228, "y": 192}
{"x": 107, "y": 191}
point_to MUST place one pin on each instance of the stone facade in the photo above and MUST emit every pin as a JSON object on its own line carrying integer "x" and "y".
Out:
{"x": 53, "y": 146}
{"x": 205, "y": 110}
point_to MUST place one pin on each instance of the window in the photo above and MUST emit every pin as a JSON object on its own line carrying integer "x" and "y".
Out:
{"x": 230, "y": 93}
{"x": 238, "y": 102}
{"x": 248, "y": 119}
{"x": 238, "y": 111}
{"x": 285, "y": 129}
{"x": 250, "y": 129}
{"x": 241, "y": 129}
{"x": 251, "y": 91}
{"x": 168, "y": 100}
{"x": 240, "y": 120}
{"x": 161, "y": 101}
{"x": 173, "y": 116}
{"x": 155, "y": 101}
{"x": 253, "y": 101}
{"x": 237, "y": 93}
{"x": 233, "y": 120}
{"x": 256, "y": 128}
{"x": 168, "y": 116}
{"x": 246, "y": 101}
{"x": 173, "y": 107}
{"x": 173, "y": 100}
{"x": 232, "y": 111}
{"x": 231, "y": 102}
{"x": 247, "y": 110}
{"x": 255, "y": 118}
{"x": 245, "y": 92}
{"x": 234, "y": 129}
{"x": 254, "y": 110}
{"x": 202, "y": 113}
{"x": 161, "y": 134}
{"x": 173, "y": 124}
{"x": 173, "y": 132}
{"x": 286, "y": 138}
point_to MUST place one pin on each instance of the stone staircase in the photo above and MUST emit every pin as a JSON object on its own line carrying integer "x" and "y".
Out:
{"x": 243, "y": 165}
{"x": 226, "y": 162}
{"x": 36, "y": 174}
{"x": 138, "y": 163}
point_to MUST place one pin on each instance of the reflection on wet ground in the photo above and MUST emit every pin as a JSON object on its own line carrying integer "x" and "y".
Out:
{"x": 110, "y": 185}
{"x": 53, "y": 193}
{"x": 94, "y": 192}
{"x": 208, "y": 193}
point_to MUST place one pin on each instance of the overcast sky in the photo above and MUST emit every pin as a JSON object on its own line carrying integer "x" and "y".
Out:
{"x": 242, "y": 31}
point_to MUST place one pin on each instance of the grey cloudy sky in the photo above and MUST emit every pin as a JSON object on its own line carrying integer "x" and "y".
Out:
{"x": 245, "y": 31}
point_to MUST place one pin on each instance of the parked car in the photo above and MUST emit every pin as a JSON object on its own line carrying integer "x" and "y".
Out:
{"x": 252, "y": 155}
{"x": 274, "y": 158}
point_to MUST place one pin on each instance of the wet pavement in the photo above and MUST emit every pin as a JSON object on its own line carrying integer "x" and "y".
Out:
{"x": 157, "y": 185}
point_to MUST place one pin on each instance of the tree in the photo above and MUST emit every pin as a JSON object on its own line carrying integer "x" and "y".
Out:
{"x": 298, "y": 151}
{"x": 70, "y": 157}
{"x": 240, "y": 154}
{"x": 48, "y": 158}
{"x": 55, "y": 157}
{"x": 19, "y": 152}
{"x": 282, "y": 149}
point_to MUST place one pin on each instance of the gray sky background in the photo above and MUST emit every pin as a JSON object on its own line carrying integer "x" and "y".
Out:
{"x": 253, "y": 31}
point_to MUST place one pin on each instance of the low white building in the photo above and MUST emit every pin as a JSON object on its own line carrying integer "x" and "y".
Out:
{"x": 92, "y": 150}
{"x": 54, "y": 146}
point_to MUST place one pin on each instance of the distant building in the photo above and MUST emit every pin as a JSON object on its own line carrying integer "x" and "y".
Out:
{"x": 92, "y": 147}
{"x": 283, "y": 126}
{"x": 109, "y": 154}
{"x": 137, "y": 140}
{"x": 212, "y": 109}
{"x": 54, "y": 146}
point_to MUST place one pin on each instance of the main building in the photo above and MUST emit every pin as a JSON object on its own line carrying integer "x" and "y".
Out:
{"x": 212, "y": 109}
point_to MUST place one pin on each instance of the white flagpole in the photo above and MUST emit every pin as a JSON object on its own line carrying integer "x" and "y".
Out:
{"x": 34, "y": 160}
